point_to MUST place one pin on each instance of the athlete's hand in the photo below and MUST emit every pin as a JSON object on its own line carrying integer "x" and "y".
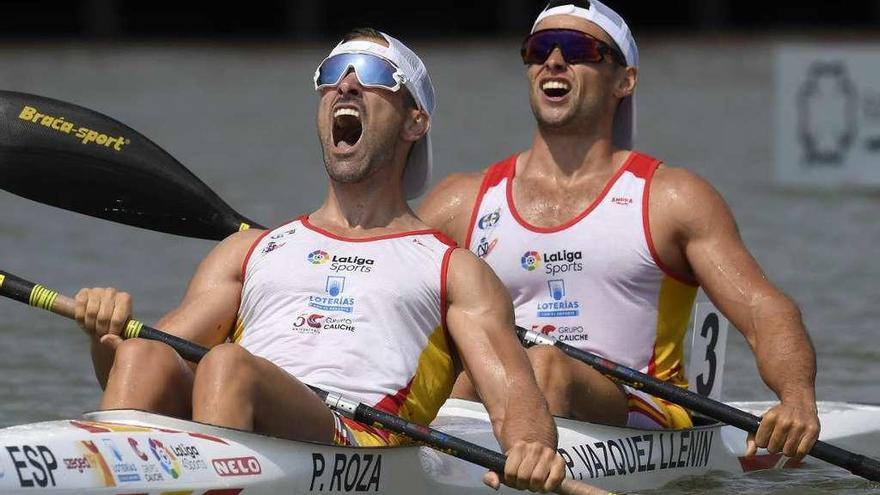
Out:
{"x": 102, "y": 313}
{"x": 530, "y": 466}
{"x": 790, "y": 427}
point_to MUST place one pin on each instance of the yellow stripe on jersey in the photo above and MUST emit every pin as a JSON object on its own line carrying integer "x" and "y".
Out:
{"x": 239, "y": 331}
{"x": 637, "y": 404}
{"x": 432, "y": 382}
{"x": 673, "y": 311}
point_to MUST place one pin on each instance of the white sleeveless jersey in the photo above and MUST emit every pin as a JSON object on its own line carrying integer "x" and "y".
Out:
{"x": 363, "y": 317}
{"x": 595, "y": 282}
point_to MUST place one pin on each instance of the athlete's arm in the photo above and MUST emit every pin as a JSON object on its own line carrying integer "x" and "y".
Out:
{"x": 448, "y": 206}
{"x": 689, "y": 215}
{"x": 480, "y": 320}
{"x": 206, "y": 315}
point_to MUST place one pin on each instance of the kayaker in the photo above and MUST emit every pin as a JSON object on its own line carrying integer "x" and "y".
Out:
{"x": 605, "y": 247}
{"x": 359, "y": 297}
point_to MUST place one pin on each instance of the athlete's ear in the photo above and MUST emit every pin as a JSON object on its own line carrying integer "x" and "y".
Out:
{"x": 626, "y": 84}
{"x": 416, "y": 125}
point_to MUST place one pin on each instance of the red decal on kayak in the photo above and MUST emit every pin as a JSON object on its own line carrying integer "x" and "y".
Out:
{"x": 90, "y": 427}
{"x": 765, "y": 461}
{"x": 97, "y": 459}
{"x": 209, "y": 437}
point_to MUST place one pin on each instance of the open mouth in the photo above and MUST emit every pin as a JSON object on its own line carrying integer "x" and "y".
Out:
{"x": 347, "y": 127}
{"x": 555, "y": 88}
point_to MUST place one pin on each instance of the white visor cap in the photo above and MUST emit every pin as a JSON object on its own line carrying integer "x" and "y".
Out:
{"x": 624, "y": 131}
{"x": 417, "y": 174}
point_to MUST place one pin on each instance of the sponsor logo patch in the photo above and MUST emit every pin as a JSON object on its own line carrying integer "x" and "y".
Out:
{"x": 237, "y": 466}
{"x": 318, "y": 257}
{"x": 558, "y": 305}
{"x": 531, "y": 260}
{"x": 489, "y": 220}
{"x": 166, "y": 458}
{"x": 333, "y": 300}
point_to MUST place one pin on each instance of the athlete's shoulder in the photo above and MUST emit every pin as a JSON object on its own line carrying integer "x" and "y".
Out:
{"x": 455, "y": 186}
{"x": 681, "y": 185}
{"x": 449, "y": 205}
{"x": 686, "y": 198}
{"x": 461, "y": 189}
{"x": 240, "y": 240}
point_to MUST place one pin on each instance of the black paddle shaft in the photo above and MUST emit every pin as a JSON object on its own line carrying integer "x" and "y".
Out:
{"x": 454, "y": 446}
{"x": 858, "y": 464}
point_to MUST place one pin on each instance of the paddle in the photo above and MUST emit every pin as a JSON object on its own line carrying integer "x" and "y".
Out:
{"x": 218, "y": 218}
{"x": 68, "y": 156}
{"x": 855, "y": 463}
{"x": 38, "y": 296}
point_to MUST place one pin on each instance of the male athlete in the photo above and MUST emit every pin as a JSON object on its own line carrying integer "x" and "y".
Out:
{"x": 359, "y": 297}
{"x": 604, "y": 247}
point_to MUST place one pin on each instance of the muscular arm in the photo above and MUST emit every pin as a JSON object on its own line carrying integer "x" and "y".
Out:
{"x": 769, "y": 320}
{"x": 207, "y": 313}
{"x": 448, "y": 206}
{"x": 689, "y": 214}
{"x": 480, "y": 321}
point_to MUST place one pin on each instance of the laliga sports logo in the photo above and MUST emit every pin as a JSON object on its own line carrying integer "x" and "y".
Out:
{"x": 166, "y": 458}
{"x": 318, "y": 257}
{"x": 531, "y": 261}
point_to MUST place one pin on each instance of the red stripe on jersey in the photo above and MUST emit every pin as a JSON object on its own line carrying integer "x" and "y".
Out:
{"x": 493, "y": 176}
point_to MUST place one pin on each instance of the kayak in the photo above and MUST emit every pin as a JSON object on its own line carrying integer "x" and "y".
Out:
{"x": 130, "y": 451}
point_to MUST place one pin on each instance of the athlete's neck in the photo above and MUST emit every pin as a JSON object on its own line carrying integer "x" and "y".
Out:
{"x": 570, "y": 155}
{"x": 365, "y": 209}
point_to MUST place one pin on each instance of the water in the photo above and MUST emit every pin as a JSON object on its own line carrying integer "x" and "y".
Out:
{"x": 242, "y": 119}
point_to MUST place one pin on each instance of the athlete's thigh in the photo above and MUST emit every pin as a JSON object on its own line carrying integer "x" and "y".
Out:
{"x": 595, "y": 397}
{"x": 287, "y": 408}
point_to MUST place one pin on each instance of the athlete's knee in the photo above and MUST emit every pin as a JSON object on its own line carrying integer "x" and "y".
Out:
{"x": 226, "y": 362}
{"x": 142, "y": 353}
{"x": 549, "y": 363}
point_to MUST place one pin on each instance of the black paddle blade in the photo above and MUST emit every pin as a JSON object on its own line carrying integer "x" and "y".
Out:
{"x": 67, "y": 156}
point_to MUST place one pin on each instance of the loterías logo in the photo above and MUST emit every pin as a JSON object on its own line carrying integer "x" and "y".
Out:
{"x": 318, "y": 257}
{"x": 531, "y": 261}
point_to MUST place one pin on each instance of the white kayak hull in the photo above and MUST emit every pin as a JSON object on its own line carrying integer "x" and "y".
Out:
{"x": 136, "y": 452}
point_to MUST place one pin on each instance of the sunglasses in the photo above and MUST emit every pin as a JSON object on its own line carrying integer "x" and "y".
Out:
{"x": 577, "y": 47}
{"x": 371, "y": 71}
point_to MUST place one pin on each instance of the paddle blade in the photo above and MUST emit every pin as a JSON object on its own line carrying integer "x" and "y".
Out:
{"x": 71, "y": 157}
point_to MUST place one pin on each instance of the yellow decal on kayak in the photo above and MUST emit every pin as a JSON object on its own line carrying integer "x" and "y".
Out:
{"x": 42, "y": 297}
{"x": 84, "y": 134}
{"x": 243, "y": 227}
{"x": 2, "y": 278}
{"x": 97, "y": 462}
{"x": 132, "y": 329}
{"x": 98, "y": 427}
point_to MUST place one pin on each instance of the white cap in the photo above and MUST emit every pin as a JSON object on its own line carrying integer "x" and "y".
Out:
{"x": 610, "y": 21}
{"x": 417, "y": 173}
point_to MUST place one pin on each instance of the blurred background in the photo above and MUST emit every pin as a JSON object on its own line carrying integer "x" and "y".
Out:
{"x": 228, "y": 91}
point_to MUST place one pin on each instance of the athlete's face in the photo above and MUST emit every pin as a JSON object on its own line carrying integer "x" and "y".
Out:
{"x": 364, "y": 129}
{"x": 572, "y": 96}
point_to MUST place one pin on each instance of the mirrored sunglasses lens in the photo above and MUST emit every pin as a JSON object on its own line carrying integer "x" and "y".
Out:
{"x": 537, "y": 48}
{"x": 370, "y": 70}
{"x": 576, "y": 47}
